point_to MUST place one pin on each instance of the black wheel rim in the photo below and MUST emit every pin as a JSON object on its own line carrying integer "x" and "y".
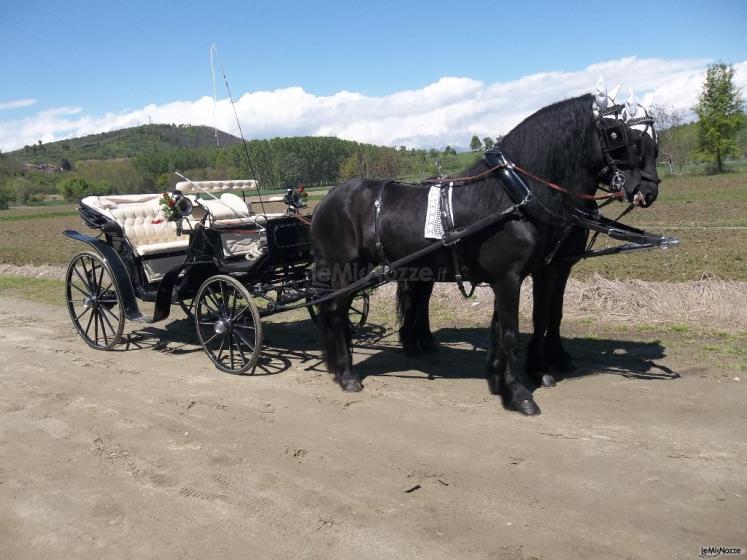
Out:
{"x": 358, "y": 312}
{"x": 227, "y": 325}
{"x": 93, "y": 302}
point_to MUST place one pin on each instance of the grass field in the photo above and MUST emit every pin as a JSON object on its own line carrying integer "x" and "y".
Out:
{"x": 704, "y": 212}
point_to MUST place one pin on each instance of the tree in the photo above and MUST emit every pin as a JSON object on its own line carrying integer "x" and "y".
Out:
{"x": 73, "y": 188}
{"x": 673, "y": 146}
{"x": 487, "y": 142}
{"x": 5, "y": 197}
{"x": 720, "y": 115}
{"x": 475, "y": 145}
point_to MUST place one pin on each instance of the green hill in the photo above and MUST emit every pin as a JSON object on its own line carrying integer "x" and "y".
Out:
{"x": 125, "y": 143}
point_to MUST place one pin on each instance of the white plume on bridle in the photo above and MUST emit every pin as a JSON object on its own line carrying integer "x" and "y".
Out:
{"x": 630, "y": 109}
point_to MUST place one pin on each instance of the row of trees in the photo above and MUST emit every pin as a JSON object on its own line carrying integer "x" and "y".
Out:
{"x": 276, "y": 163}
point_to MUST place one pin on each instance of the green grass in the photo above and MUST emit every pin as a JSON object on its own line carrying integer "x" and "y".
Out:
{"x": 685, "y": 204}
{"x": 33, "y": 289}
{"x": 16, "y": 217}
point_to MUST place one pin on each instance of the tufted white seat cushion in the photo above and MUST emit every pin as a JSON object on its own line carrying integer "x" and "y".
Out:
{"x": 146, "y": 237}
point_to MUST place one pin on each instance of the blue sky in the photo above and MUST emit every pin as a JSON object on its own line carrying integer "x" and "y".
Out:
{"x": 96, "y": 58}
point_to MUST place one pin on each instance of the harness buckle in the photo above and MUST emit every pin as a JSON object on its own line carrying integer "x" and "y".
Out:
{"x": 618, "y": 181}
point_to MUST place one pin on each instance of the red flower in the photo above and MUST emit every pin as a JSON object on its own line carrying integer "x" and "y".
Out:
{"x": 171, "y": 203}
{"x": 158, "y": 221}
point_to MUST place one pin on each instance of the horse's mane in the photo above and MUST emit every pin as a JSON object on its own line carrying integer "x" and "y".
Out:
{"x": 557, "y": 144}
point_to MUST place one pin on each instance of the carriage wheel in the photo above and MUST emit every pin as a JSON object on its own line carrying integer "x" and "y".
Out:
{"x": 357, "y": 314}
{"x": 228, "y": 324}
{"x": 93, "y": 301}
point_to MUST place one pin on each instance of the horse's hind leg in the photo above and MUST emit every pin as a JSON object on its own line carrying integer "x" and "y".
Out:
{"x": 543, "y": 285}
{"x": 336, "y": 337}
{"x": 555, "y": 354}
{"x": 504, "y": 373}
{"x": 413, "y": 298}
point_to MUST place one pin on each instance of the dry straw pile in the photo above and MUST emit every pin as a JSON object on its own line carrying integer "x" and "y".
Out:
{"x": 708, "y": 303}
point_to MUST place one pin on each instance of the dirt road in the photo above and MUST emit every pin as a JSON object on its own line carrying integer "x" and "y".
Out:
{"x": 151, "y": 453}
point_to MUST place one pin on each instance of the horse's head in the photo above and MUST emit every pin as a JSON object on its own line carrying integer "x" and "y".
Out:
{"x": 629, "y": 147}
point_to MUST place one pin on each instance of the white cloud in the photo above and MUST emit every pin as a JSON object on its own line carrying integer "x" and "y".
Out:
{"x": 16, "y": 103}
{"x": 448, "y": 111}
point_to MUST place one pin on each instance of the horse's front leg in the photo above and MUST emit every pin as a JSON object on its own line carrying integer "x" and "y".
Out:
{"x": 413, "y": 298}
{"x": 336, "y": 337}
{"x": 506, "y": 373}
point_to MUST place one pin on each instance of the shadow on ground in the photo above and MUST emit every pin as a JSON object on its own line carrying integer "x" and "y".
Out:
{"x": 462, "y": 354}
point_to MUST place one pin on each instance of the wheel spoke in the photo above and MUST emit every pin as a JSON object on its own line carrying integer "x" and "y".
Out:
{"x": 241, "y": 352}
{"x": 105, "y": 318}
{"x": 213, "y": 298}
{"x": 88, "y": 326}
{"x": 103, "y": 329}
{"x": 209, "y": 340}
{"x": 233, "y": 304}
{"x": 96, "y": 325}
{"x": 100, "y": 281}
{"x": 245, "y": 341}
{"x": 230, "y": 349}
{"x": 79, "y": 289}
{"x": 204, "y": 303}
{"x": 85, "y": 282}
{"x": 89, "y": 281}
{"x": 86, "y": 310}
{"x": 223, "y": 296}
{"x": 220, "y": 350}
{"x": 109, "y": 311}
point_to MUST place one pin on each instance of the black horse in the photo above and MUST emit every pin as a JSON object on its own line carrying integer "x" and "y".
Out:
{"x": 363, "y": 223}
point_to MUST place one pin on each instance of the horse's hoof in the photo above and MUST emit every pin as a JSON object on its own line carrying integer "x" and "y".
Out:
{"x": 351, "y": 385}
{"x": 527, "y": 407}
{"x": 548, "y": 380}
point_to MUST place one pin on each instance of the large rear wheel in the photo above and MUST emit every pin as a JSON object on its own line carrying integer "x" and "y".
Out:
{"x": 93, "y": 301}
{"x": 228, "y": 324}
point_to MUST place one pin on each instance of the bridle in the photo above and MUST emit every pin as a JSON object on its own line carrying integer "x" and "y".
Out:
{"x": 613, "y": 130}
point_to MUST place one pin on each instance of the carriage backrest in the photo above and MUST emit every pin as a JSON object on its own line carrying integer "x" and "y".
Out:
{"x": 215, "y": 187}
{"x": 141, "y": 220}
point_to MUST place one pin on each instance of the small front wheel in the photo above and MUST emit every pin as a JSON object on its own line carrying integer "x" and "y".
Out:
{"x": 94, "y": 301}
{"x": 228, "y": 324}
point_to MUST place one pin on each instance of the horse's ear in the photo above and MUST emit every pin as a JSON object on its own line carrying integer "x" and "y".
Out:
{"x": 600, "y": 93}
{"x": 631, "y": 105}
{"x": 615, "y": 91}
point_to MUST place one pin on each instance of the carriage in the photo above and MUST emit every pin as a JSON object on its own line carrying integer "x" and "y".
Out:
{"x": 533, "y": 213}
{"x": 200, "y": 247}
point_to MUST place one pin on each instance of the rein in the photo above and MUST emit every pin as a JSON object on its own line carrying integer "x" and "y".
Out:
{"x": 611, "y": 195}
